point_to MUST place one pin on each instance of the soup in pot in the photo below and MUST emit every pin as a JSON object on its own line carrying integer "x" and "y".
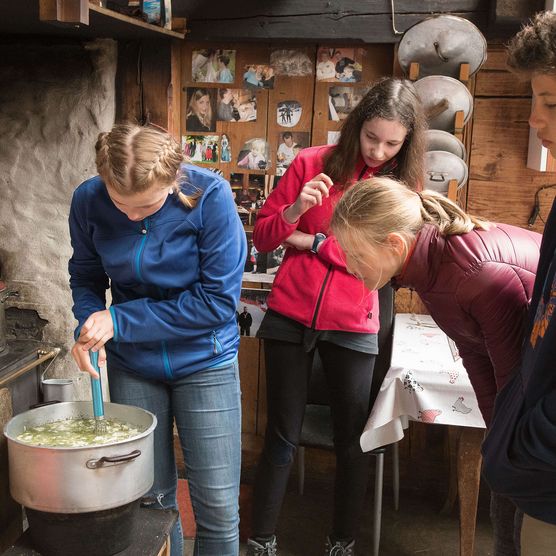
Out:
{"x": 76, "y": 433}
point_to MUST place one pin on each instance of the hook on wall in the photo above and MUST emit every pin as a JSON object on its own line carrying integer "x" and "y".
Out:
{"x": 393, "y": 9}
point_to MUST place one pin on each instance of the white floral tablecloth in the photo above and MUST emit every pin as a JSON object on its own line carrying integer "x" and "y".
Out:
{"x": 426, "y": 382}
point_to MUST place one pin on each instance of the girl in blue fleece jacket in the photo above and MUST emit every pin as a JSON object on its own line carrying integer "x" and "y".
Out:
{"x": 166, "y": 239}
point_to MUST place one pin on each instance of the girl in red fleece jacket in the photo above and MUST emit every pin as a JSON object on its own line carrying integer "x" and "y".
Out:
{"x": 316, "y": 305}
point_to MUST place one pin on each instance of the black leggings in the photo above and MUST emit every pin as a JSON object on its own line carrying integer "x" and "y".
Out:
{"x": 349, "y": 376}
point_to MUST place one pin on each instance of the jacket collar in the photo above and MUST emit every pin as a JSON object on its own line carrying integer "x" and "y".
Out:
{"x": 362, "y": 171}
{"x": 423, "y": 262}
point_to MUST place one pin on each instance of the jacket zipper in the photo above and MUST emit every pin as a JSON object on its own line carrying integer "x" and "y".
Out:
{"x": 166, "y": 360}
{"x": 319, "y": 299}
{"x": 144, "y": 231}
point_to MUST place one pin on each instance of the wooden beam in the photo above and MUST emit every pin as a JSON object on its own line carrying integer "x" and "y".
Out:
{"x": 357, "y": 27}
{"x": 74, "y": 12}
{"x": 243, "y": 9}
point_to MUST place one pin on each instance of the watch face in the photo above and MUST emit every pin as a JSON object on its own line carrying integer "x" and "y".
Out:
{"x": 319, "y": 238}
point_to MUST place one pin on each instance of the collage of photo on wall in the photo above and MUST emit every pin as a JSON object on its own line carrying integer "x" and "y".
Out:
{"x": 220, "y": 90}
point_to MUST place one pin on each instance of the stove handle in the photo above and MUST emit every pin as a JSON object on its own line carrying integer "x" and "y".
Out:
{"x": 112, "y": 460}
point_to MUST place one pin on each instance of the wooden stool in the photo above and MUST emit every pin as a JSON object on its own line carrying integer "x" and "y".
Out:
{"x": 152, "y": 536}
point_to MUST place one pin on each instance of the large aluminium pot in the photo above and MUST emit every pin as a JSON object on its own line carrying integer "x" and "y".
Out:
{"x": 85, "y": 479}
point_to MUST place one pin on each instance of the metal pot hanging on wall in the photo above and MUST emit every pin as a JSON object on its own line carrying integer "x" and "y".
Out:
{"x": 440, "y": 44}
{"x": 438, "y": 140}
{"x": 440, "y": 168}
{"x": 442, "y": 97}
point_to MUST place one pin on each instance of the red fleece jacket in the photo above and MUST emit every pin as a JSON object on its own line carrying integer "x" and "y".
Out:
{"x": 315, "y": 290}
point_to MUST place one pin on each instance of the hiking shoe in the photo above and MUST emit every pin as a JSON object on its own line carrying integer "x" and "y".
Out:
{"x": 340, "y": 548}
{"x": 268, "y": 548}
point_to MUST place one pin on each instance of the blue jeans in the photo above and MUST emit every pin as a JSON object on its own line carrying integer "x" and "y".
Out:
{"x": 206, "y": 407}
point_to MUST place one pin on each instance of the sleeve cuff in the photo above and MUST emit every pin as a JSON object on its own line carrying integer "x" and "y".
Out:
{"x": 114, "y": 323}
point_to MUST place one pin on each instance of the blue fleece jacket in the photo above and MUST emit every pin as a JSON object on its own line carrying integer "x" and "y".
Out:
{"x": 175, "y": 277}
{"x": 520, "y": 448}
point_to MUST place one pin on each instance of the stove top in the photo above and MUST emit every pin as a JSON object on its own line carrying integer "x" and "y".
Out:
{"x": 16, "y": 355}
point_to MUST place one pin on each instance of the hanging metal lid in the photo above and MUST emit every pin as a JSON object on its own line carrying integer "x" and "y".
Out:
{"x": 440, "y": 44}
{"x": 442, "y": 97}
{"x": 438, "y": 140}
{"x": 440, "y": 168}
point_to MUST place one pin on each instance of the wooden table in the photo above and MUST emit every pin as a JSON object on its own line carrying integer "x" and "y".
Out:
{"x": 427, "y": 382}
{"x": 152, "y": 536}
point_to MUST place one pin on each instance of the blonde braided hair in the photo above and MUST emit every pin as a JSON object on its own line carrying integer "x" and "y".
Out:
{"x": 132, "y": 158}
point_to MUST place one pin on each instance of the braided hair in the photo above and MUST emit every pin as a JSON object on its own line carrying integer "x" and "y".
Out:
{"x": 132, "y": 158}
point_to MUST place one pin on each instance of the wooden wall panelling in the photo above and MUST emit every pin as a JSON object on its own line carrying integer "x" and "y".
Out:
{"x": 261, "y": 408}
{"x": 237, "y": 132}
{"x": 142, "y": 82}
{"x": 501, "y": 188}
{"x": 494, "y": 80}
{"x": 249, "y": 377}
{"x": 300, "y": 89}
{"x": 408, "y": 301}
{"x": 174, "y": 90}
{"x": 377, "y": 61}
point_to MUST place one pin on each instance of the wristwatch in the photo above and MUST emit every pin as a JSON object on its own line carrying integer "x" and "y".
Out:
{"x": 319, "y": 238}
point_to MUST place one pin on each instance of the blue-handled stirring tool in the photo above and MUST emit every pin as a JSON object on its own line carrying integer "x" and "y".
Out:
{"x": 98, "y": 405}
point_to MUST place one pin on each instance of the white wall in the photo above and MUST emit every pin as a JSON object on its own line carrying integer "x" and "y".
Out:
{"x": 55, "y": 97}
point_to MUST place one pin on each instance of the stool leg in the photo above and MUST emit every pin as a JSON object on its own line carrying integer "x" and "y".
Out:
{"x": 396, "y": 474}
{"x": 377, "y": 513}
{"x": 300, "y": 469}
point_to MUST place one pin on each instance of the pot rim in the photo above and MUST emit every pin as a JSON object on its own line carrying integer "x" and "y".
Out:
{"x": 85, "y": 404}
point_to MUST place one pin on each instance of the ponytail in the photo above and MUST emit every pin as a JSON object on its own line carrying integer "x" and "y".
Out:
{"x": 446, "y": 215}
{"x": 374, "y": 208}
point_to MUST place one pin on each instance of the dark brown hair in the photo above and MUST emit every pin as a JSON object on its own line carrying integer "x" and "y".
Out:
{"x": 390, "y": 99}
{"x": 533, "y": 49}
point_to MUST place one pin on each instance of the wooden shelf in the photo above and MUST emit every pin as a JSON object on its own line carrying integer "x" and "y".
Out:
{"x": 22, "y": 18}
{"x": 104, "y": 18}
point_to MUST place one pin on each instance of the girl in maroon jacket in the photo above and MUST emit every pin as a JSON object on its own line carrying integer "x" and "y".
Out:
{"x": 475, "y": 278}
{"x": 311, "y": 304}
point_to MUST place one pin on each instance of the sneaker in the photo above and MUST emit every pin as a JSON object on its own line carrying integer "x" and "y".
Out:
{"x": 340, "y": 548}
{"x": 269, "y": 548}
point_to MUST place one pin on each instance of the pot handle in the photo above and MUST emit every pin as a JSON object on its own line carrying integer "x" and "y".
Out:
{"x": 113, "y": 460}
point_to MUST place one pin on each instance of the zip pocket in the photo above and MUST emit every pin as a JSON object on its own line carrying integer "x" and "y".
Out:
{"x": 216, "y": 345}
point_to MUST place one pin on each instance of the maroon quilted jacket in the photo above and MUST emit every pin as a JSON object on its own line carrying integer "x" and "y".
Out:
{"x": 477, "y": 287}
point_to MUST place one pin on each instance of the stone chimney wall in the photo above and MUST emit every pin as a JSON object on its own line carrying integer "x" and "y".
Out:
{"x": 55, "y": 97}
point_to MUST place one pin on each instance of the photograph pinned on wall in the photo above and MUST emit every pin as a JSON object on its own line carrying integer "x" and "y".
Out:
{"x": 236, "y": 105}
{"x": 225, "y": 148}
{"x": 201, "y": 109}
{"x": 292, "y": 63}
{"x": 259, "y": 76}
{"x": 250, "y": 193}
{"x": 342, "y": 100}
{"x": 210, "y": 65}
{"x": 254, "y": 155}
{"x": 261, "y": 267}
{"x": 288, "y": 113}
{"x": 340, "y": 64}
{"x": 201, "y": 149}
{"x": 250, "y": 311}
{"x": 332, "y": 139}
{"x": 289, "y": 145}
